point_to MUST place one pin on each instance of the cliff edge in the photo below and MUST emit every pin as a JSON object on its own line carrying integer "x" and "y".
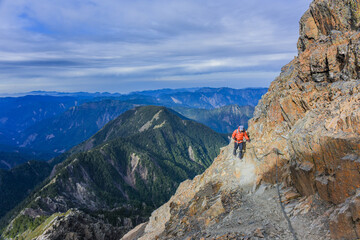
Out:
{"x": 305, "y": 137}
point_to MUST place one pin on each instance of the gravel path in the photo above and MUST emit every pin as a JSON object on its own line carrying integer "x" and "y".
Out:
{"x": 260, "y": 217}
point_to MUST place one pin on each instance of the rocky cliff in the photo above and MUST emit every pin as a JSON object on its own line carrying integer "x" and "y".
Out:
{"x": 306, "y": 137}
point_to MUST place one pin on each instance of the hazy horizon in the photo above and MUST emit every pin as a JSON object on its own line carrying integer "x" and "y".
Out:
{"x": 39, "y": 92}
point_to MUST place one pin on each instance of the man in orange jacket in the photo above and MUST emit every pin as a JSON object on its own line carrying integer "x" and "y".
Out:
{"x": 238, "y": 135}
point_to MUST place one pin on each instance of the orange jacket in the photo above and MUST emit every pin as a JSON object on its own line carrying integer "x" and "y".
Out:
{"x": 239, "y": 136}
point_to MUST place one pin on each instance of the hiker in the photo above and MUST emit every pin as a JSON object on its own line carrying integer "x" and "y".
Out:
{"x": 238, "y": 135}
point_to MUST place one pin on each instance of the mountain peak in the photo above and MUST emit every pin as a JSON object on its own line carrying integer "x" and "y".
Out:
{"x": 324, "y": 18}
{"x": 137, "y": 121}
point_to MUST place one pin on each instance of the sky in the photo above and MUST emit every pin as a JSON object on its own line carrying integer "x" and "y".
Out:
{"x": 131, "y": 45}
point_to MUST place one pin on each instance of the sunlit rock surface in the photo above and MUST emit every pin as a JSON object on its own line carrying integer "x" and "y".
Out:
{"x": 311, "y": 117}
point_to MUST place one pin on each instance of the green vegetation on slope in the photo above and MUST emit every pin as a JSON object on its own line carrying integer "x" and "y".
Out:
{"x": 9, "y": 160}
{"x": 134, "y": 163}
{"x": 15, "y": 184}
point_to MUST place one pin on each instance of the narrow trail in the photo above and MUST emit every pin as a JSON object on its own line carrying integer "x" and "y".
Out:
{"x": 261, "y": 215}
{"x": 225, "y": 203}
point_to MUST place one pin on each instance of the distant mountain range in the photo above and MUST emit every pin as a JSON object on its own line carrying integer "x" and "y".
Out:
{"x": 205, "y": 98}
{"x": 17, "y": 114}
{"x": 59, "y": 134}
{"x": 132, "y": 165}
{"x": 187, "y": 97}
{"x": 223, "y": 119}
{"x": 45, "y": 126}
{"x": 70, "y": 128}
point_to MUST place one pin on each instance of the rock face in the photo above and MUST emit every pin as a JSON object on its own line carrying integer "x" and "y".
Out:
{"x": 312, "y": 111}
{"x": 311, "y": 117}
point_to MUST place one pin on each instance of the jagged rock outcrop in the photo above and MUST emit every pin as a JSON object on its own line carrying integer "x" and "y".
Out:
{"x": 312, "y": 111}
{"x": 311, "y": 116}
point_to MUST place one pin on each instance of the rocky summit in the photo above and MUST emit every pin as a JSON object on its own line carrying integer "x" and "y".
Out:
{"x": 304, "y": 154}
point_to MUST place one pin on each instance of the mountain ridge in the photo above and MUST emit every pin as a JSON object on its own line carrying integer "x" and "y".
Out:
{"x": 123, "y": 171}
{"x": 81, "y": 116}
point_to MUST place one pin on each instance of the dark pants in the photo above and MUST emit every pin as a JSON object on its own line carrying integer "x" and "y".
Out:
{"x": 240, "y": 146}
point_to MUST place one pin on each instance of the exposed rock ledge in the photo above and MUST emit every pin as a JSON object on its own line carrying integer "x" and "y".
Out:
{"x": 311, "y": 114}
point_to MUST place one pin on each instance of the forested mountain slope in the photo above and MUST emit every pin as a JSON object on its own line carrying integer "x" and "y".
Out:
{"x": 124, "y": 171}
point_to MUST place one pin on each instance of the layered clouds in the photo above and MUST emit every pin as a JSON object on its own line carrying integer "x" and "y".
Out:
{"x": 126, "y": 45}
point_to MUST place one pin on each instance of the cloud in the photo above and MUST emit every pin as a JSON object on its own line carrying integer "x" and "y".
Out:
{"x": 74, "y": 44}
